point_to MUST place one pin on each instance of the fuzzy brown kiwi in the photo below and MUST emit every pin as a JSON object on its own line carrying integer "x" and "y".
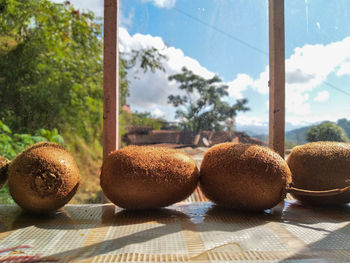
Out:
{"x": 43, "y": 178}
{"x": 244, "y": 176}
{"x": 4, "y": 164}
{"x": 145, "y": 177}
{"x": 320, "y": 166}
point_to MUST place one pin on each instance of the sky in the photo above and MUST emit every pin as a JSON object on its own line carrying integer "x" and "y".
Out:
{"x": 230, "y": 39}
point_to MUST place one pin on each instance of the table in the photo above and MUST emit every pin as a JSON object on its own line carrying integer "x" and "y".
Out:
{"x": 184, "y": 232}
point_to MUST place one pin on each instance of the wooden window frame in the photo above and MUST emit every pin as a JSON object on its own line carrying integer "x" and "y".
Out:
{"x": 276, "y": 83}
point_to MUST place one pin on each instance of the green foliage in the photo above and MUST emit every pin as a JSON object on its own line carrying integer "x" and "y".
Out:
{"x": 202, "y": 107}
{"x": 52, "y": 76}
{"x": 146, "y": 119}
{"x": 51, "y": 136}
{"x": 142, "y": 119}
{"x": 146, "y": 59}
{"x": 5, "y": 197}
{"x": 298, "y": 136}
{"x": 51, "y": 68}
{"x": 139, "y": 119}
{"x": 12, "y": 144}
{"x": 123, "y": 81}
{"x": 326, "y": 131}
{"x": 345, "y": 124}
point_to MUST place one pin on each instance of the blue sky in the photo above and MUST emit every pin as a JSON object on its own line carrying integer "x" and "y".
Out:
{"x": 230, "y": 39}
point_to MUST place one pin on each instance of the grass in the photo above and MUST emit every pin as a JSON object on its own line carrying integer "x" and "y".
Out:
{"x": 89, "y": 161}
{"x": 5, "y": 197}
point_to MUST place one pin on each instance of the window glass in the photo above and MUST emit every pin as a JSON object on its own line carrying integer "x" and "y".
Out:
{"x": 317, "y": 66}
{"x": 227, "y": 39}
{"x": 193, "y": 67}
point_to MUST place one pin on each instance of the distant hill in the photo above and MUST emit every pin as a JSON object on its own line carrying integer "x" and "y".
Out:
{"x": 294, "y": 137}
{"x": 345, "y": 124}
{"x": 263, "y": 137}
{"x": 298, "y": 136}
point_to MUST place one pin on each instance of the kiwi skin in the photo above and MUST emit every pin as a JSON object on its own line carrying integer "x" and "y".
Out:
{"x": 321, "y": 166}
{"x": 243, "y": 176}
{"x": 146, "y": 177}
{"x": 43, "y": 178}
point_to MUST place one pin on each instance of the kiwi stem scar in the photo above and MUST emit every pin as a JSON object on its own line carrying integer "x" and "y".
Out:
{"x": 330, "y": 192}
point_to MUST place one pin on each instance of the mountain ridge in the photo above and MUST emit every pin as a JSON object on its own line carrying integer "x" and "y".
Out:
{"x": 294, "y": 136}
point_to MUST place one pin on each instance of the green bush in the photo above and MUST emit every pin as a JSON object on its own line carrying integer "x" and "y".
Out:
{"x": 5, "y": 197}
{"x": 12, "y": 144}
{"x": 326, "y": 131}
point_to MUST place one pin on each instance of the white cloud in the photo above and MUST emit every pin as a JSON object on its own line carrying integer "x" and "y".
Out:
{"x": 344, "y": 69}
{"x": 126, "y": 21}
{"x": 297, "y": 76}
{"x": 262, "y": 83}
{"x": 322, "y": 96}
{"x": 162, "y": 3}
{"x": 244, "y": 120}
{"x": 299, "y": 120}
{"x": 128, "y": 43}
{"x": 297, "y": 100}
{"x": 243, "y": 81}
{"x": 307, "y": 68}
{"x": 238, "y": 85}
{"x": 150, "y": 90}
{"x": 96, "y": 6}
{"x": 260, "y": 125}
{"x": 158, "y": 113}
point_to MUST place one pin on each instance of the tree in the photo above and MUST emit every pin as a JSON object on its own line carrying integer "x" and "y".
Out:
{"x": 51, "y": 76}
{"x": 143, "y": 119}
{"x": 51, "y": 68}
{"x": 345, "y": 124}
{"x": 146, "y": 59}
{"x": 201, "y": 107}
{"x": 326, "y": 131}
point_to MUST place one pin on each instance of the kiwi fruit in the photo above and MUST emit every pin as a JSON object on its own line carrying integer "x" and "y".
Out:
{"x": 4, "y": 164}
{"x": 147, "y": 177}
{"x": 244, "y": 176}
{"x": 320, "y": 166}
{"x": 43, "y": 178}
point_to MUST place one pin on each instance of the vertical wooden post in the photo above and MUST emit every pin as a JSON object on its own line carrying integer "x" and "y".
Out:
{"x": 277, "y": 76}
{"x": 110, "y": 78}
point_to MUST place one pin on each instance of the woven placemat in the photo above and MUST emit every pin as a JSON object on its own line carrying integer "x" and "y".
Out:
{"x": 185, "y": 232}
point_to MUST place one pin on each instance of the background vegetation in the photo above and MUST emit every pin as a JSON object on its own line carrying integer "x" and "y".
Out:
{"x": 51, "y": 83}
{"x": 13, "y": 143}
{"x": 202, "y": 107}
{"x": 298, "y": 136}
{"x": 326, "y": 131}
{"x": 51, "y": 88}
